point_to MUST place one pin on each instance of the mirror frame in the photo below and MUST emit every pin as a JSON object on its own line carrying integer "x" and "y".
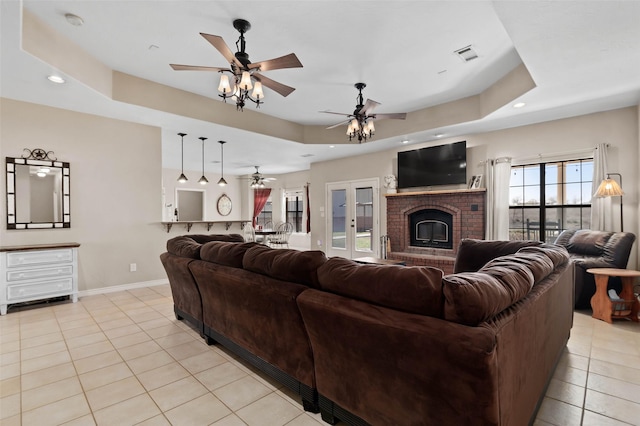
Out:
{"x": 11, "y": 164}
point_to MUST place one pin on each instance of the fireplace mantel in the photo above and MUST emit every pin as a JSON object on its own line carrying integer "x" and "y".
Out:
{"x": 438, "y": 192}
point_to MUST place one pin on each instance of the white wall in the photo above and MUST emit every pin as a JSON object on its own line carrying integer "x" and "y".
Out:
{"x": 115, "y": 190}
{"x": 619, "y": 128}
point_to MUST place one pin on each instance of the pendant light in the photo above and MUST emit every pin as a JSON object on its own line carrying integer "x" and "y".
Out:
{"x": 222, "y": 182}
{"x": 203, "y": 180}
{"x": 182, "y": 178}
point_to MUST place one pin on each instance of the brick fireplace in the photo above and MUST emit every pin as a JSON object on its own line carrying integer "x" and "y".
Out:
{"x": 425, "y": 228}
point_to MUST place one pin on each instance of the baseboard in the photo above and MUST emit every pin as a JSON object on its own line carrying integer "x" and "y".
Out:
{"x": 122, "y": 287}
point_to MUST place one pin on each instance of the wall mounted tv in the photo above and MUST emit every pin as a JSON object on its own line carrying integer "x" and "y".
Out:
{"x": 434, "y": 165}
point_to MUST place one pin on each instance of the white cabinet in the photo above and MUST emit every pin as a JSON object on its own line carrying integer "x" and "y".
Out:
{"x": 38, "y": 272}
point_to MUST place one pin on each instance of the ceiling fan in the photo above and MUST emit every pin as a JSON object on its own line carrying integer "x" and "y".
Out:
{"x": 361, "y": 121}
{"x": 245, "y": 74}
{"x": 257, "y": 179}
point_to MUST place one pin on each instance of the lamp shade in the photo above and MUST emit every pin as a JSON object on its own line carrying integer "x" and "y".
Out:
{"x": 609, "y": 188}
{"x": 257, "y": 91}
{"x": 245, "y": 83}
{"x": 224, "y": 86}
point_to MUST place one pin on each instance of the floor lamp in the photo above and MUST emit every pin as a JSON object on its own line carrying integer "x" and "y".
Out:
{"x": 610, "y": 188}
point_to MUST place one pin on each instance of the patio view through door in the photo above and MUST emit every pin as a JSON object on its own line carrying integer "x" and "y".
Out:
{"x": 352, "y": 219}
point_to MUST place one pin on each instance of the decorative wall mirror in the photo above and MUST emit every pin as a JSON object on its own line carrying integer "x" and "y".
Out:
{"x": 38, "y": 191}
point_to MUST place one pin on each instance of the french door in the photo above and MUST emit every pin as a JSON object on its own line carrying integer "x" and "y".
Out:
{"x": 353, "y": 219}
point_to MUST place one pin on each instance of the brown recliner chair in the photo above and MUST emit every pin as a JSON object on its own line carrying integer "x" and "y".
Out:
{"x": 595, "y": 249}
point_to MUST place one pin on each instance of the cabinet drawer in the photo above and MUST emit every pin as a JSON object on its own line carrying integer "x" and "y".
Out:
{"x": 34, "y": 274}
{"x": 39, "y": 257}
{"x": 39, "y": 290}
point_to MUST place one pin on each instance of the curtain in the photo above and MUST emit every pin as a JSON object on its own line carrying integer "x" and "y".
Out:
{"x": 306, "y": 189}
{"x": 498, "y": 176}
{"x": 600, "y": 207}
{"x": 260, "y": 197}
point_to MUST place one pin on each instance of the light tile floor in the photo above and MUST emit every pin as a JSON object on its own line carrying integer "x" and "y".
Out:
{"x": 122, "y": 358}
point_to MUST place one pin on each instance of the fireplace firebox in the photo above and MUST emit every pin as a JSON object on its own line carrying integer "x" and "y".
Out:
{"x": 431, "y": 228}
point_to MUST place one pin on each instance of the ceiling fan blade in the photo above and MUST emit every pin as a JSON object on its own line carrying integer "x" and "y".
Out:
{"x": 369, "y": 105}
{"x": 396, "y": 115}
{"x": 179, "y": 67}
{"x": 337, "y": 113}
{"x": 339, "y": 124}
{"x": 287, "y": 61}
{"x": 221, "y": 46}
{"x": 280, "y": 88}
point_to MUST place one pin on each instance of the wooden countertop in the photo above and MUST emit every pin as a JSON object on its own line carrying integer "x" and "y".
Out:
{"x": 38, "y": 246}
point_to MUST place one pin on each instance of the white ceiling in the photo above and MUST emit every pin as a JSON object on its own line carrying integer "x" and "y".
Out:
{"x": 582, "y": 55}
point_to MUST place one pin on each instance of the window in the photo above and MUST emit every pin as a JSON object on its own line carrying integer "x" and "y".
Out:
{"x": 265, "y": 218}
{"x": 547, "y": 198}
{"x": 294, "y": 204}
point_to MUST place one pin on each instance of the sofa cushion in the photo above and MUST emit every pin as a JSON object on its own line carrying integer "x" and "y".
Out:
{"x": 474, "y": 297}
{"x": 285, "y": 264}
{"x": 225, "y": 253}
{"x": 539, "y": 265}
{"x": 205, "y": 238}
{"x": 588, "y": 242}
{"x": 474, "y": 254}
{"x": 410, "y": 289}
{"x": 557, "y": 255}
{"x": 184, "y": 246}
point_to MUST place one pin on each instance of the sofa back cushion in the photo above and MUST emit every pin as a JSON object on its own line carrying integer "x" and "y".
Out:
{"x": 184, "y": 246}
{"x": 410, "y": 289}
{"x": 474, "y": 297}
{"x": 189, "y": 245}
{"x": 474, "y": 254}
{"x": 285, "y": 264}
{"x": 205, "y": 238}
{"x": 225, "y": 253}
{"x": 588, "y": 242}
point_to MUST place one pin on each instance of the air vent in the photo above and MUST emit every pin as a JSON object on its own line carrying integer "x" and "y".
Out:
{"x": 307, "y": 155}
{"x": 466, "y": 53}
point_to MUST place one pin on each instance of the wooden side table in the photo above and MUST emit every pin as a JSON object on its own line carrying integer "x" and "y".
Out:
{"x": 603, "y": 307}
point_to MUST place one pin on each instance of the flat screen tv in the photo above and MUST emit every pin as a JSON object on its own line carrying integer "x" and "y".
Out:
{"x": 434, "y": 165}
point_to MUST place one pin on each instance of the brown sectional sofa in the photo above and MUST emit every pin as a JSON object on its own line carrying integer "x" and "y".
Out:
{"x": 393, "y": 345}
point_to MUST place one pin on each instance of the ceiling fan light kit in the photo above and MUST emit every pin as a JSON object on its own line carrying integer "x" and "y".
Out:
{"x": 360, "y": 123}
{"x": 243, "y": 74}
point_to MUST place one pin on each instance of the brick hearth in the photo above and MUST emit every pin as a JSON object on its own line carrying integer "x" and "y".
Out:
{"x": 467, "y": 207}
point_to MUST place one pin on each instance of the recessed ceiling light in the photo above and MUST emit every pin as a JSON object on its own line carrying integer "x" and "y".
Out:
{"x": 519, "y": 105}
{"x": 74, "y": 20}
{"x": 332, "y": 146}
{"x": 55, "y": 79}
{"x": 439, "y": 135}
{"x": 404, "y": 141}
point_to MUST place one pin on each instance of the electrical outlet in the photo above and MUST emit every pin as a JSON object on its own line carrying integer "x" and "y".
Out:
{"x": 133, "y": 267}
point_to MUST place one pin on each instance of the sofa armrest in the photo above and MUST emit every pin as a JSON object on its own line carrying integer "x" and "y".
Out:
{"x": 585, "y": 264}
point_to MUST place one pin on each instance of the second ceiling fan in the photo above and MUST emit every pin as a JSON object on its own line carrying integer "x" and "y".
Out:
{"x": 245, "y": 74}
{"x": 361, "y": 121}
